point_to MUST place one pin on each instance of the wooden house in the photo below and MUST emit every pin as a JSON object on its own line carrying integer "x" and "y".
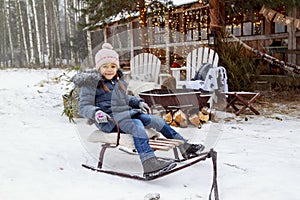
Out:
{"x": 172, "y": 35}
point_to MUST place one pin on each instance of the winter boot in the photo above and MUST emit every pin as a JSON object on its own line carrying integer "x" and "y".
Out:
{"x": 190, "y": 150}
{"x": 154, "y": 167}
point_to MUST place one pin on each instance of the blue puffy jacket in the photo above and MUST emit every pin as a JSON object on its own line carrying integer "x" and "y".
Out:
{"x": 92, "y": 98}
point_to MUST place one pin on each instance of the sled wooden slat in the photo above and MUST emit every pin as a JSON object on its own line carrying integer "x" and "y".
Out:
{"x": 171, "y": 141}
{"x": 164, "y": 144}
{"x": 160, "y": 148}
{"x": 161, "y": 144}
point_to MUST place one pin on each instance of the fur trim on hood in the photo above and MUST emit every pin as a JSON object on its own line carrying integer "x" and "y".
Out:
{"x": 90, "y": 78}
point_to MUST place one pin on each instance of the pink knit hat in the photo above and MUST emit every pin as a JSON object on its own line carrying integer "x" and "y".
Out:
{"x": 106, "y": 55}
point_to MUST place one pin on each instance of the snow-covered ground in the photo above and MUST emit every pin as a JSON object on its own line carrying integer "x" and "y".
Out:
{"x": 41, "y": 152}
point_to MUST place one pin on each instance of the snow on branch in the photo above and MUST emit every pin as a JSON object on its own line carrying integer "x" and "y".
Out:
{"x": 293, "y": 68}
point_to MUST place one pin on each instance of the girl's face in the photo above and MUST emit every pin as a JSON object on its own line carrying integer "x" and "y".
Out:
{"x": 108, "y": 70}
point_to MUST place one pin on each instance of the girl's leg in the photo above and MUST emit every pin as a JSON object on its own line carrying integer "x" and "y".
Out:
{"x": 152, "y": 121}
{"x": 136, "y": 128}
{"x": 170, "y": 133}
{"x": 156, "y": 122}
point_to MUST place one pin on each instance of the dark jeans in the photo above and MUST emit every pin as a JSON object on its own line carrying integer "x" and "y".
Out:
{"x": 136, "y": 126}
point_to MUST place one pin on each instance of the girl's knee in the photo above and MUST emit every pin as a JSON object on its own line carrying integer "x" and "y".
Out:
{"x": 131, "y": 123}
{"x": 156, "y": 122}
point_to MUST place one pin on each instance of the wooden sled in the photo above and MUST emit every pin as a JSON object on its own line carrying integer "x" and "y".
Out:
{"x": 125, "y": 143}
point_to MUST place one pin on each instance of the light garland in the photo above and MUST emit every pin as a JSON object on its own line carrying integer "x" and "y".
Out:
{"x": 181, "y": 22}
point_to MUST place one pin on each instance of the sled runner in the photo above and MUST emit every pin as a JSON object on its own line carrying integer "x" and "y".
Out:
{"x": 124, "y": 142}
{"x": 185, "y": 163}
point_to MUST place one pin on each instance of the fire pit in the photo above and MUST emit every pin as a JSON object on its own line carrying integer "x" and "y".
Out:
{"x": 175, "y": 98}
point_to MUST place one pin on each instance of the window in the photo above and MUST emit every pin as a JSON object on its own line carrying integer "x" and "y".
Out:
{"x": 247, "y": 24}
{"x": 258, "y": 27}
{"x": 193, "y": 32}
{"x": 247, "y": 28}
{"x": 237, "y": 30}
{"x": 204, "y": 32}
{"x": 159, "y": 35}
{"x": 279, "y": 28}
{"x": 158, "y": 25}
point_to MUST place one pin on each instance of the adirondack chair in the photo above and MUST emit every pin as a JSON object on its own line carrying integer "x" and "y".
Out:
{"x": 145, "y": 67}
{"x": 145, "y": 73}
{"x": 194, "y": 61}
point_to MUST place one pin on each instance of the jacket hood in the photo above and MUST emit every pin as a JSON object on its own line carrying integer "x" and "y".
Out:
{"x": 90, "y": 78}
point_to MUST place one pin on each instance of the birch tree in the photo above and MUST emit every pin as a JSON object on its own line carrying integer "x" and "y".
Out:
{"x": 58, "y": 31}
{"x": 70, "y": 31}
{"x": 12, "y": 48}
{"x": 2, "y": 34}
{"x": 46, "y": 32}
{"x": 22, "y": 28}
{"x": 31, "y": 47}
{"x": 18, "y": 36}
{"x": 37, "y": 33}
{"x": 89, "y": 46}
{"x": 7, "y": 24}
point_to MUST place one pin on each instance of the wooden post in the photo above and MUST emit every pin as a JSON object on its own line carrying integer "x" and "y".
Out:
{"x": 214, "y": 14}
{"x": 143, "y": 25}
{"x": 167, "y": 40}
{"x": 292, "y": 41}
{"x": 217, "y": 15}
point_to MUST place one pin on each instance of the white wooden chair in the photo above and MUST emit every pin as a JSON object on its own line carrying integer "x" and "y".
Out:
{"x": 145, "y": 73}
{"x": 194, "y": 61}
{"x": 145, "y": 67}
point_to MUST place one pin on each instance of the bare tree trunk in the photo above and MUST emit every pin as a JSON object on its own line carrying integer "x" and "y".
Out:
{"x": 89, "y": 45}
{"x": 52, "y": 41}
{"x": 74, "y": 31}
{"x": 46, "y": 33}
{"x": 70, "y": 31}
{"x": 2, "y": 35}
{"x": 21, "y": 28}
{"x": 31, "y": 47}
{"x": 58, "y": 30}
{"x": 12, "y": 49}
{"x": 66, "y": 36}
{"x": 18, "y": 27}
{"x": 37, "y": 33}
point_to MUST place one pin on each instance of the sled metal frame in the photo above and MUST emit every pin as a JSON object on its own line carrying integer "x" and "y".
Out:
{"x": 211, "y": 154}
{"x": 164, "y": 145}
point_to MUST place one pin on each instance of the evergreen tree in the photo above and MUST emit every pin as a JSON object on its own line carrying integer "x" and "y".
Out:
{"x": 102, "y": 12}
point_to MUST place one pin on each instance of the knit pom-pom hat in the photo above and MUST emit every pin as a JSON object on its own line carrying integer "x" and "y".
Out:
{"x": 106, "y": 55}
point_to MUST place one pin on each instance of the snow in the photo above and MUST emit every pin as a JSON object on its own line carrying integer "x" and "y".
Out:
{"x": 182, "y": 2}
{"x": 41, "y": 152}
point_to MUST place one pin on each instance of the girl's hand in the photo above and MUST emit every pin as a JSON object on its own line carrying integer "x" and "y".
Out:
{"x": 144, "y": 107}
{"x": 101, "y": 117}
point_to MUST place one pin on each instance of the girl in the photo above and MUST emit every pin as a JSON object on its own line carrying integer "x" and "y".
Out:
{"x": 103, "y": 95}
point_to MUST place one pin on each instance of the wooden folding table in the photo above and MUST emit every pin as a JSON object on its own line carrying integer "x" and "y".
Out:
{"x": 245, "y": 98}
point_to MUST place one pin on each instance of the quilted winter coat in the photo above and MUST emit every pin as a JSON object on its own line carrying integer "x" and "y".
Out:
{"x": 92, "y": 98}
